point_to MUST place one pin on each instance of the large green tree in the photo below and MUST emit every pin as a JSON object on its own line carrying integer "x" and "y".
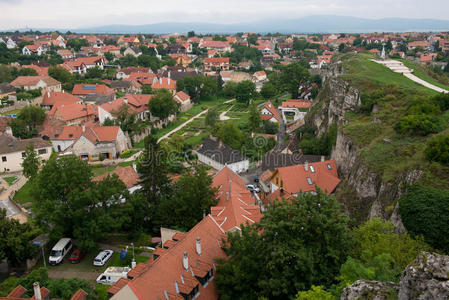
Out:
{"x": 212, "y": 117}
{"x": 162, "y": 104}
{"x": 293, "y": 76}
{"x": 425, "y": 211}
{"x": 245, "y": 91}
{"x": 297, "y": 244}
{"x": 30, "y": 163}
{"x": 192, "y": 199}
{"x": 254, "y": 118}
{"x": 24, "y": 126}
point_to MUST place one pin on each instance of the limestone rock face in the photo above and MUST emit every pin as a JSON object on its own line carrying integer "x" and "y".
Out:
{"x": 373, "y": 290}
{"x": 426, "y": 278}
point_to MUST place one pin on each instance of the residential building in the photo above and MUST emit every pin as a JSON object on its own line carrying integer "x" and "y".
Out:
{"x": 181, "y": 59}
{"x": 216, "y": 64}
{"x": 295, "y": 108}
{"x": 306, "y": 177}
{"x": 6, "y": 90}
{"x": 19, "y": 292}
{"x": 74, "y": 114}
{"x": 126, "y": 86}
{"x": 219, "y": 46}
{"x": 136, "y": 103}
{"x": 51, "y": 99}
{"x": 41, "y": 71}
{"x": 12, "y": 151}
{"x": 82, "y": 90}
{"x": 214, "y": 153}
{"x": 184, "y": 101}
{"x": 124, "y": 73}
{"x": 65, "y": 139}
{"x": 97, "y": 141}
{"x": 66, "y": 53}
{"x": 74, "y": 66}
{"x": 134, "y": 51}
{"x": 33, "y": 49}
{"x": 126, "y": 174}
{"x": 270, "y": 113}
{"x": 165, "y": 83}
{"x": 47, "y": 83}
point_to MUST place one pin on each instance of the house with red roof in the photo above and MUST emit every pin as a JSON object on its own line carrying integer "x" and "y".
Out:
{"x": 126, "y": 174}
{"x": 219, "y": 46}
{"x": 125, "y": 72}
{"x": 100, "y": 141}
{"x": 184, "y": 101}
{"x": 63, "y": 140}
{"x": 165, "y": 83}
{"x": 270, "y": 113}
{"x": 92, "y": 61}
{"x": 51, "y": 99}
{"x": 47, "y": 83}
{"x": 137, "y": 104}
{"x": 216, "y": 64}
{"x": 82, "y": 90}
{"x": 74, "y": 66}
{"x": 428, "y": 58}
{"x": 295, "y": 109}
{"x": 19, "y": 292}
{"x": 74, "y": 114}
{"x": 33, "y": 49}
{"x": 65, "y": 53}
{"x": 41, "y": 71}
{"x": 305, "y": 178}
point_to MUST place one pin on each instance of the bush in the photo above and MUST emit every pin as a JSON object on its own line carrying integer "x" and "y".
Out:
{"x": 419, "y": 125}
{"x": 127, "y": 153}
{"x": 442, "y": 100}
{"x": 425, "y": 211}
{"x": 437, "y": 149}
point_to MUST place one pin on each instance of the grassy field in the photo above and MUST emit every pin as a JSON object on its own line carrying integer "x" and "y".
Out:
{"x": 10, "y": 112}
{"x": 420, "y": 71}
{"x": 383, "y": 150}
{"x": 24, "y": 195}
{"x": 10, "y": 179}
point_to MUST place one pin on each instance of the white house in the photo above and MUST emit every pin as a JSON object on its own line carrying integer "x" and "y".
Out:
{"x": 10, "y": 44}
{"x": 12, "y": 152}
{"x": 218, "y": 155}
{"x": 33, "y": 49}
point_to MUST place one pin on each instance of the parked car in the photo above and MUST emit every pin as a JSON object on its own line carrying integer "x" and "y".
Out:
{"x": 76, "y": 256}
{"x": 59, "y": 251}
{"x": 253, "y": 188}
{"x": 103, "y": 257}
{"x": 112, "y": 274}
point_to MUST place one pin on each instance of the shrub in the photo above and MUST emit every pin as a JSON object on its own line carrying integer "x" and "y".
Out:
{"x": 437, "y": 149}
{"x": 419, "y": 125}
{"x": 127, "y": 153}
{"x": 442, "y": 100}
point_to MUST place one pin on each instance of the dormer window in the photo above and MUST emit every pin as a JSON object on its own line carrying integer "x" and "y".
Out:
{"x": 329, "y": 167}
{"x": 312, "y": 169}
{"x": 309, "y": 181}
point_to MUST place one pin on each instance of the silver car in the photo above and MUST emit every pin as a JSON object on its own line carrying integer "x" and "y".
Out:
{"x": 103, "y": 257}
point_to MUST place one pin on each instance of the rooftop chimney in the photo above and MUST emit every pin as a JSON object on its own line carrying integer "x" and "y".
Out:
{"x": 125, "y": 100}
{"x": 48, "y": 94}
{"x": 37, "y": 291}
{"x": 198, "y": 246}
{"x": 83, "y": 127}
{"x": 306, "y": 166}
{"x": 185, "y": 261}
{"x": 322, "y": 157}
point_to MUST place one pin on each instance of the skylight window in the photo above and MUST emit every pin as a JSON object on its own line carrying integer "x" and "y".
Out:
{"x": 312, "y": 169}
{"x": 309, "y": 181}
{"x": 329, "y": 167}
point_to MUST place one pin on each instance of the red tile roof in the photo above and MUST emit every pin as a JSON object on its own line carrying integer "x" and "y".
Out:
{"x": 165, "y": 83}
{"x": 42, "y": 71}
{"x": 137, "y": 103}
{"x": 181, "y": 97}
{"x": 126, "y": 174}
{"x": 79, "y": 295}
{"x": 323, "y": 174}
{"x": 216, "y": 60}
{"x": 100, "y": 134}
{"x": 33, "y": 80}
{"x": 298, "y": 103}
{"x": 235, "y": 206}
{"x": 214, "y": 44}
{"x": 72, "y": 111}
{"x": 17, "y": 292}
{"x": 273, "y": 112}
{"x": 69, "y": 133}
{"x": 59, "y": 98}
{"x": 89, "y": 89}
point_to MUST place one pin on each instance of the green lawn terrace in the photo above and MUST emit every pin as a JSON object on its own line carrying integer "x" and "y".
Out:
{"x": 381, "y": 148}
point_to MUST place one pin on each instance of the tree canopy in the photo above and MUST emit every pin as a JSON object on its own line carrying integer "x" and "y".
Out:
{"x": 245, "y": 91}
{"x": 292, "y": 77}
{"x": 24, "y": 126}
{"x": 162, "y": 104}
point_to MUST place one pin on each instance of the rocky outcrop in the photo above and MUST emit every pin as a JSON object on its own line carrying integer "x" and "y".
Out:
{"x": 363, "y": 192}
{"x": 426, "y": 278}
{"x": 374, "y": 290}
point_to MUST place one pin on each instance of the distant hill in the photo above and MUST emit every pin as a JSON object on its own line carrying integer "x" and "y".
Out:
{"x": 309, "y": 24}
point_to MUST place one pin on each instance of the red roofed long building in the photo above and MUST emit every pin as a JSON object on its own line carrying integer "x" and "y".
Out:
{"x": 74, "y": 114}
{"x": 82, "y": 90}
{"x": 216, "y": 63}
{"x": 136, "y": 103}
{"x": 51, "y": 99}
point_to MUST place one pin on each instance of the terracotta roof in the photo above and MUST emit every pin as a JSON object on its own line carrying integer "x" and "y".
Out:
{"x": 64, "y": 52}
{"x": 79, "y": 295}
{"x": 273, "y": 112}
{"x": 4, "y": 123}
{"x": 298, "y": 103}
{"x": 59, "y": 98}
{"x": 165, "y": 83}
{"x": 214, "y": 44}
{"x": 126, "y": 174}
{"x": 181, "y": 97}
{"x": 86, "y": 89}
{"x": 301, "y": 178}
{"x": 41, "y": 71}
{"x": 33, "y": 48}
{"x": 130, "y": 70}
{"x": 113, "y": 289}
{"x": 166, "y": 277}
{"x": 9, "y": 144}
{"x": 216, "y": 60}
{"x": 17, "y": 292}
{"x": 33, "y": 80}
{"x": 69, "y": 133}
{"x": 73, "y": 111}
{"x": 44, "y": 293}
{"x": 51, "y": 127}
{"x": 101, "y": 134}
{"x": 137, "y": 103}
{"x": 235, "y": 206}
{"x": 265, "y": 176}
{"x": 91, "y": 60}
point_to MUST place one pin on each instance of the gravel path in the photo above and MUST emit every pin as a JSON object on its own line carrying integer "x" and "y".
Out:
{"x": 54, "y": 274}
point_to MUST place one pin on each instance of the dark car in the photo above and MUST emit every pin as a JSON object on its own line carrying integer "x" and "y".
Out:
{"x": 76, "y": 256}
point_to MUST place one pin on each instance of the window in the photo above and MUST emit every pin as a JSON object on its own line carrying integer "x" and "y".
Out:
{"x": 329, "y": 167}
{"x": 3, "y": 158}
{"x": 309, "y": 181}
{"x": 312, "y": 169}
{"x": 42, "y": 151}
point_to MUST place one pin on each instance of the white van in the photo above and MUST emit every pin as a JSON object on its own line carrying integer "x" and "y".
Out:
{"x": 112, "y": 274}
{"x": 59, "y": 251}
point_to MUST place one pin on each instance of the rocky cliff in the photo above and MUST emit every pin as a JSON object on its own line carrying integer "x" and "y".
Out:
{"x": 363, "y": 192}
{"x": 426, "y": 278}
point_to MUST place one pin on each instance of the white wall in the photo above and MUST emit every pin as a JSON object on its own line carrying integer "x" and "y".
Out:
{"x": 14, "y": 160}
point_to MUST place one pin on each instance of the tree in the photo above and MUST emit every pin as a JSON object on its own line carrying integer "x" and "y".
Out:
{"x": 293, "y": 76}
{"x": 24, "y": 126}
{"x": 128, "y": 61}
{"x": 245, "y": 91}
{"x": 153, "y": 169}
{"x": 341, "y": 48}
{"x": 420, "y": 124}
{"x": 152, "y": 62}
{"x": 69, "y": 204}
{"x": 191, "y": 34}
{"x": 437, "y": 149}
{"x": 192, "y": 200}
{"x": 95, "y": 72}
{"x": 270, "y": 127}
{"x": 297, "y": 244}
{"x": 446, "y": 68}
{"x": 27, "y": 72}
{"x": 229, "y": 89}
{"x": 162, "y": 104}
{"x": 198, "y": 86}
{"x": 254, "y": 118}
{"x": 147, "y": 89}
{"x": 230, "y": 134}
{"x": 62, "y": 75}
{"x": 425, "y": 211}
{"x": 268, "y": 90}
{"x": 212, "y": 117}
{"x": 315, "y": 293}
{"x": 15, "y": 240}
{"x": 252, "y": 39}
{"x": 442, "y": 100}
{"x": 30, "y": 163}
{"x": 109, "y": 56}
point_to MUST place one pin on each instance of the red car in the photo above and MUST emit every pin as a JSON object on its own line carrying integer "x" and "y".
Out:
{"x": 76, "y": 256}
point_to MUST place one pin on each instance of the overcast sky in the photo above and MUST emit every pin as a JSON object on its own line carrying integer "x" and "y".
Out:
{"x": 83, "y": 13}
